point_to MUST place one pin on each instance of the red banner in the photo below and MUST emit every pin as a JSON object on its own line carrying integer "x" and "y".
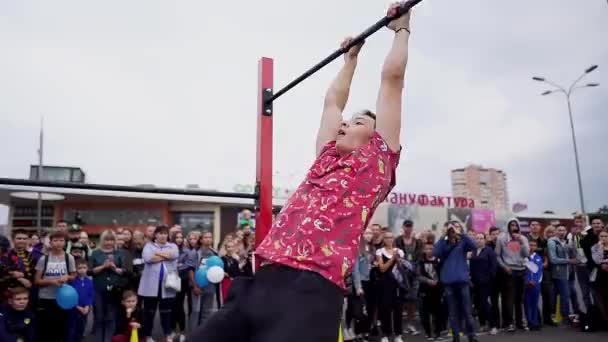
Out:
{"x": 425, "y": 200}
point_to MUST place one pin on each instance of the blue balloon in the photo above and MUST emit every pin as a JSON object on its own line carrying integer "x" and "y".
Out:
{"x": 201, "y": 277}
{"x": 215, "y": 261}
{"x": 67, "y": 297}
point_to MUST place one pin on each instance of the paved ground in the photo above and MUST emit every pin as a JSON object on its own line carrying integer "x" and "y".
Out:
{"x": 546, "y": 335}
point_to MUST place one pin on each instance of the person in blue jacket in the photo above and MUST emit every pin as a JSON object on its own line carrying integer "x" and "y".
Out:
{"x": 452, "y": 251}
{"x": 77, "y": 317}
{"x": 534, "y": 277}
{"x": 483, "y": 274}
{"x": 16, "y": 320}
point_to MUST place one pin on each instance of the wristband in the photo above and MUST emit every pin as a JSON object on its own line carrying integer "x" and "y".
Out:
{"x": 403, "y": 28}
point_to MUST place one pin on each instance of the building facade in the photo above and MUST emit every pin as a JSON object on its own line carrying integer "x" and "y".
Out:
{"x": 487, "y": 186}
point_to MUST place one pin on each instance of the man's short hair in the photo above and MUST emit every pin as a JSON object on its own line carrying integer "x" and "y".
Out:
{"x": 81, "y": 262}
{"x": 534, "y": 221}
{"x": 408, "y": 223}
{"x": 57, "y": 235}
{"x": 19, "y": 232}
{"x": 578, "y": 216}
{"x": 596, "y": 217}
{"x": 493, "y": 229}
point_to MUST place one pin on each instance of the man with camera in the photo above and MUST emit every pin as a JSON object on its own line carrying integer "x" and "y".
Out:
{"x": 452, "y": 251}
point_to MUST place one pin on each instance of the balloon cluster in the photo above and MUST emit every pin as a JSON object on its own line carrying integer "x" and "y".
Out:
{"x": 212, "y": 272}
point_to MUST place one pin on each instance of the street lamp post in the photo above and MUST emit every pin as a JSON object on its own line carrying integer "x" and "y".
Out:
{"x": 559, "y": 89}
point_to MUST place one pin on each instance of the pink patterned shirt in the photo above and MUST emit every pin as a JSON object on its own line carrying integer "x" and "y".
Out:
{"x": 319, "y": 228}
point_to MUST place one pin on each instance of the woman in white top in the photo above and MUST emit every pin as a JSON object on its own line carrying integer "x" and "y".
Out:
{"x": 390, "y": 295}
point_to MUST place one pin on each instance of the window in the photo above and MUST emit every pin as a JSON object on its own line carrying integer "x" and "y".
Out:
{"x": 195, "y": 221}
{"x": 114, "y": 216}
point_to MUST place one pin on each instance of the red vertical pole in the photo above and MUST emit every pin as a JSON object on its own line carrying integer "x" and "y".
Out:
{"x": 264, "y": 150}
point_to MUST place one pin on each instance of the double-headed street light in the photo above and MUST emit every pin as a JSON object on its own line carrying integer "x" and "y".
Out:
{"x": 559, "y": 89}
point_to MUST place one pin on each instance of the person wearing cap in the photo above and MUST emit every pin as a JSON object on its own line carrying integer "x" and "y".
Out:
{"x": 73, "y": 237}
{"x": 412, "y": 249}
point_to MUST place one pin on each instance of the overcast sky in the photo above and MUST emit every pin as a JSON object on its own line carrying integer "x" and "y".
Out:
{"x": 164, "y": 92}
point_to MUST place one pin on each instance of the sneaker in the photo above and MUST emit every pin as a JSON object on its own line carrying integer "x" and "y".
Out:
{"x": 511, "y": 328}
{"x": 384, "y": 339}
{"x": 494, "y": 332}
{"x": 398, "y": 339}
{"x": 429, "y": 338}
{"x": 410, "y": 329}
{"x": 182, "y": 338}
{"x": 150, "y": 339}
{"x": 473, "y": 338}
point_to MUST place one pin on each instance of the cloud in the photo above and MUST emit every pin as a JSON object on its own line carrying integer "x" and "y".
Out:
{"x": 157, "y": 92}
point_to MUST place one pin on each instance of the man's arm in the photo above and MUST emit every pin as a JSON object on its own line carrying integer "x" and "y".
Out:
{"x": 336, "y": 98}
{"x": 388, "y": 106}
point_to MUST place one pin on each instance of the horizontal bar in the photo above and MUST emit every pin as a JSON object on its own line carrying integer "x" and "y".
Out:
{"x": 124, "y": 188}
{"x": 360, "y": 38}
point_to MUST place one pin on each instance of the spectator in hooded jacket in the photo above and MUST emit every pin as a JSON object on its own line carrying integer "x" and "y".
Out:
{"x": 511, "y": 251}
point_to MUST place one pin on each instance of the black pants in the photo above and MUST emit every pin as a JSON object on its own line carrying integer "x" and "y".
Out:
{"x": 52, "y": 321}
{"x": 482, "y": 294}
{"x": 390, "y": 306}
{"x": 164, "y": 305}
{"x": 178, "y": 311}
{"x": 513, "y": 298}
{"x": 278, "y": 304}
{"x": 546, "y": 291}
{"x": 430, "y": 311}
{"x": 497, "y": 293}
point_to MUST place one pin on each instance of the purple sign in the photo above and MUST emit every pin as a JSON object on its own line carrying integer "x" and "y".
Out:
{"x": 483, "y": 219}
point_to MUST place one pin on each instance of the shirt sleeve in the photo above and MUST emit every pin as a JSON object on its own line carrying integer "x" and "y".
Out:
{"x": 72, "y": 265}
{"x": 379, "y": 252}
{"x": 40, "y": 263}
{"x": 390, "y": 157}
{"x": 401, "y": 253}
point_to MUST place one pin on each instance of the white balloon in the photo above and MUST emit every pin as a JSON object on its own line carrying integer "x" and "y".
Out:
{"x": 215, "y": 274}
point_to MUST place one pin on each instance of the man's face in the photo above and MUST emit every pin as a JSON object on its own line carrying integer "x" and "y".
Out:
{"x": 494, "y": 235}
{"x": 20, "y": 241}
{"x": 130, "y": 302}
{"x": 376, "y": 231}
{"x": 480, "y": 240}
{"x": 246, "y": 230}
{"x": 561, "y": 232}
{"x": 597, "y": 225}
{"x": 578, "y": 223}
{"x": 74, "y": 236}
{"x": 138, "y": 241}
{"x": 19, "y": 301}
{"x": 150, "y": 232}
{"x": 368, "y": 235}
{"x": 408, "y": 229}
{"x": 354, "y": 133}
{"x": 57, "y": 243}
{"x": 534, "y": 227}
{"x": 62, "y": 227}
{"x": 84, "y": 238}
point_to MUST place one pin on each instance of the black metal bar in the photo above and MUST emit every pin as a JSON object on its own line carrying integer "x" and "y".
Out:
{"x": 124, "y": 188}
{"x": 361, "y": 37}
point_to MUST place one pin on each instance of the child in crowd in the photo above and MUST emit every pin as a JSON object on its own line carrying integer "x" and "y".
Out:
{"x": 430, "y": 292}
{"x": 77, "y": 317}
{"x": 52, "y": 271}
{"x": 128, "y": 319}
{"x": 16, "y": 321}
{"x": 483, "y": 266}
{"x": 534, "y": 277}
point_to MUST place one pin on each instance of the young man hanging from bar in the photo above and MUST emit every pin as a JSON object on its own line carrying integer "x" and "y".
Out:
{"x": 297, "y": 293}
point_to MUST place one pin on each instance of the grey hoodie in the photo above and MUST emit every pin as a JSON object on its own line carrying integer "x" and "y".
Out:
{"x": 512, "y": 253}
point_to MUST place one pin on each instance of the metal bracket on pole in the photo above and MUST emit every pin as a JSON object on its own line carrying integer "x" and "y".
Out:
{"x": 267, "y": 99}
